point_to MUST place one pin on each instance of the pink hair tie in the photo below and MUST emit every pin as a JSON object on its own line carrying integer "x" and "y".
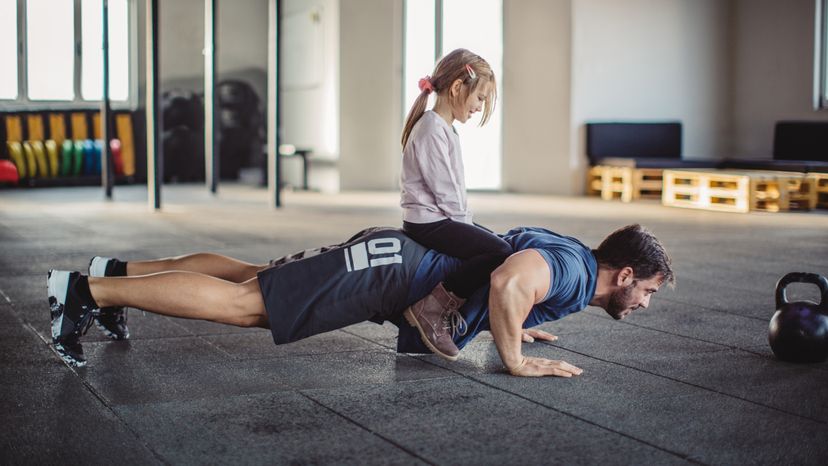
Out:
{"x": 425, "y": 85}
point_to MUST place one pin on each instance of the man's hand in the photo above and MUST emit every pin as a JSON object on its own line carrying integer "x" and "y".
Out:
{"x": 539, "y": 367}
{"x": 530, "y": 335}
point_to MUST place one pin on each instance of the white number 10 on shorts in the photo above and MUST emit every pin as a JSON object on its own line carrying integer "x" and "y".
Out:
{"x": 380, "y": 251}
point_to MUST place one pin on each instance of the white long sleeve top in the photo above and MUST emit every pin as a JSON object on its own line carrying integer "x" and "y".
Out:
{"x": 433, "y": 184}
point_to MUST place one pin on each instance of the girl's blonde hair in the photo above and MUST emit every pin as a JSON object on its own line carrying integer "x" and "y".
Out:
{"x": 460, "y": 64}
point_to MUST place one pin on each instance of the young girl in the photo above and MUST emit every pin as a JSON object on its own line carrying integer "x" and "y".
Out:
{"x": 435, "y": 211}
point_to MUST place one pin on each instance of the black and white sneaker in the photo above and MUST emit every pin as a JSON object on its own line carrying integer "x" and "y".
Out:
{"x": 112, "y": 321}
{"x": 71, "y": 317}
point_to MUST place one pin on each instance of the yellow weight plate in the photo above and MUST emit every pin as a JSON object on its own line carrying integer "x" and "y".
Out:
{"x": 52, "y": 157}
{"x": 31, "y": 163}
{"x": 16, "y": 153}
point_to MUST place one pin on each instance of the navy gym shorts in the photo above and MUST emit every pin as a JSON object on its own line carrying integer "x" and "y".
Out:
{"x": 319, "y": 290}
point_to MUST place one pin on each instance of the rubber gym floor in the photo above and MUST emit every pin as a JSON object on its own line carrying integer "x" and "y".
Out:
{"x": 689, "y": 380}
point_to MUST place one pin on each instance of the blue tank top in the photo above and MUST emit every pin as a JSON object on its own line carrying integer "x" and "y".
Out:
{"x": 573, "y": 271}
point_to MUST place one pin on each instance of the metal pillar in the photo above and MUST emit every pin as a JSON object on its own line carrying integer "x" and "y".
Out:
{"x": 107, "y": 175}
{"x": 212, "y": 158}
{"x": 155, "y": 151}
{"x": 274, "y": 117}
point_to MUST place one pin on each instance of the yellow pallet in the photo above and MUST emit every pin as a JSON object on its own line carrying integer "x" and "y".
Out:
{"x": 742, "y": 191}
{"x": 820, "y": 182}
{"x": 625, "y": 183}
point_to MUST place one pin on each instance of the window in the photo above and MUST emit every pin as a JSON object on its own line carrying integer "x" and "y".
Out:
{"x": 92, "y": 50}
{"x": 484, "y": 36}
{"x": 8, "y": 49}
{"x": 61, "y": 55}
{"x": 419, "y": 47}
{"x": 49, "y": 49}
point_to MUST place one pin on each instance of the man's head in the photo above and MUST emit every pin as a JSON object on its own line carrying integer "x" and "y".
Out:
{"x": 638, "y": 266}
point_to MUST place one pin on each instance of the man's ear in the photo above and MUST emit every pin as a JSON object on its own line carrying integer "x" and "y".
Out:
{"x": 624, "y": 277}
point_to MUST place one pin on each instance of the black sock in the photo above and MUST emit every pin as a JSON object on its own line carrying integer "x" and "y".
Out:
{"x": 82, "y": 291}
{"x": 117, "y": 269}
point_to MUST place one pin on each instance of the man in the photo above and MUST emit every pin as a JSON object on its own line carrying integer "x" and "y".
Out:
{"x": 376, "y": 275}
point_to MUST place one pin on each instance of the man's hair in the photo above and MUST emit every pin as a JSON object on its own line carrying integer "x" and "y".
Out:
{"x": 634, "y": 246}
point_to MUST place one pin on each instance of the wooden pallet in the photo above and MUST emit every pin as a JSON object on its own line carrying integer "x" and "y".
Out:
{"x": 625, "y": 183}
{"x": 820, "y": 182}
{"x": 742, "y": 191}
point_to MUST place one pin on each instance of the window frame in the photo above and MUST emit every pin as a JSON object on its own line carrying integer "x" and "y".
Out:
{"x": 821, "y": 55}
{"x": 439, "y": 51}
{"x": 23, "y": 103}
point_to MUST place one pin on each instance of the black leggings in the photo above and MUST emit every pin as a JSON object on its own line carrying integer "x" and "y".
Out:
{"x": 481, "y": 250}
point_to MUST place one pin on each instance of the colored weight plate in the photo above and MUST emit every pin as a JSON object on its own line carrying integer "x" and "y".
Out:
{"x": 66, "y": 154}
{"x": 123, "y": 123}
{"x": 89, "y": 164}
{"x": 16, "y": 153}
{"x": 117, "y": 159}
{"x": 8, "y": 172}
{"x": 97, "y": 155}
{"x": 31, "y": 164}
{"x": 39, "y": 151}
{"x": 77, "y": 158}
{"x": 52, "y": 156}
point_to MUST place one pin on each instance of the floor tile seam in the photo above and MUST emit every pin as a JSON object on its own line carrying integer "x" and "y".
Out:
{"x": 709, "y": 308}
{"x": 750, "y": 258}
{"x": 365, "y": 428}
{"x": 106, "y": 404}
{"x": 684, "y": 382}
{"x": 630, "y": 324}
{"x": 755, "y": 350}
{"x": 472, "y": 378}
{"x": 268, "y": 391}
{"x": 216, "y": 347}
{"x": 388, "y": 347}
{"x": 726, "y": 348}
{"x": 305, "y": 355}
{"x": 5, "y": 297}
{"x": 714, "y": 282}
{"x": 684, "y": 456}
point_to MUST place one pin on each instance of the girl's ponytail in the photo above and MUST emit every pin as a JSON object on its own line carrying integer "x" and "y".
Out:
{"x": 417, "y": 110}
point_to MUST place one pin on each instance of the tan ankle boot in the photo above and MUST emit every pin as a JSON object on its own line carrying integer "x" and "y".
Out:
{"x": 437, "y": 318}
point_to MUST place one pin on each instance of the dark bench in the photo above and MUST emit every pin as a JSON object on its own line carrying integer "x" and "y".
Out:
{"x": 639, "y": 144}
{"x": 628, "y": 158}
{"x": 798, "y": 146}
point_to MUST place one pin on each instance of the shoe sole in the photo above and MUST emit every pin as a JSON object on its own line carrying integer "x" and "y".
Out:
{"x": 409, "y": 316}
{"x": 114, "y": 336}
{"x": 57, "y": 283}
{"x": 67, "y": 358}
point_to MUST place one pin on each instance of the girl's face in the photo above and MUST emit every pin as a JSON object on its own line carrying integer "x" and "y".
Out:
{"x": 473, "y": 103}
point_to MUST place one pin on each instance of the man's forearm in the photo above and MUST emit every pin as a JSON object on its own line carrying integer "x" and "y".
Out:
{"x": 508, "y": 308}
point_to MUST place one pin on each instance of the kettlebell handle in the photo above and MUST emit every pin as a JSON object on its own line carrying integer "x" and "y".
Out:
{"x": 801, "y": 277}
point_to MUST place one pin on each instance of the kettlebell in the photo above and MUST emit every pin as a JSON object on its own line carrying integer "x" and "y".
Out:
{"x": 798, "y": 331}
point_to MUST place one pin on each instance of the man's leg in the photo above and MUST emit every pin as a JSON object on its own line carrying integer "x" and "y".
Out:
{"x": 74, "y": 300}
{"x": 112, "y": 321}
{"x": 214, "y": 265}
{"x": 188, "y": 295}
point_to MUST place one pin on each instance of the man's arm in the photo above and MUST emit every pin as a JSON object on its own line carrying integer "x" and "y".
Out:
{"x": 518, "y": 284}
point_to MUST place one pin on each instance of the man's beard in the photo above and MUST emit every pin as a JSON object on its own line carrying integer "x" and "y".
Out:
{"x": 620, "y": 301}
